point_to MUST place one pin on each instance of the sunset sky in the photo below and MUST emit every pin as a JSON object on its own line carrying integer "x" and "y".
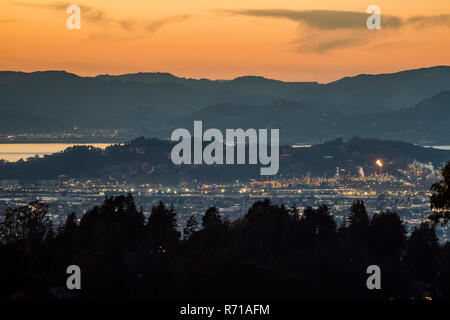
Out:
{"x": 294, "y": 40}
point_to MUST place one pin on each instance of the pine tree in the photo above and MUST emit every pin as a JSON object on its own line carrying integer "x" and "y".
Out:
{"x": 191, "y": 227}
{"x": 212, "y": 217}
{"x": 162, "y": 227}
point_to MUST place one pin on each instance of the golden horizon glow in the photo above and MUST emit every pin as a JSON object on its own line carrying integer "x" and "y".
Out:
{"x": 282, "y": 39}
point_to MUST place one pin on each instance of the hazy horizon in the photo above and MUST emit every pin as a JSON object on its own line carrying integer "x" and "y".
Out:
{"x": 186, "y": 76}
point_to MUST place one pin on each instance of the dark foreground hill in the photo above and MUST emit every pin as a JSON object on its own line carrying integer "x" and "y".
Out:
{"x": 149, "y": 160}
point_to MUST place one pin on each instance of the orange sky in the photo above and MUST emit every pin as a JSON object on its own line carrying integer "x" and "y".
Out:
{"x": 282, "y": 39}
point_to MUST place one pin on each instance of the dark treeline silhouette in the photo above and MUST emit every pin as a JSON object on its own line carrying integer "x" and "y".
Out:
{"x": 271, "y": 252}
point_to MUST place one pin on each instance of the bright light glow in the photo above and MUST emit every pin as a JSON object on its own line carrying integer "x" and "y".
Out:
{"x": 379, "y": 163}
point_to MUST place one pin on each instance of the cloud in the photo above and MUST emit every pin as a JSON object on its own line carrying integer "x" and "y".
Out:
{"x": 126, "y": 24}
{"x": 326, "y": 30}
{"x": 430, "y": 21}
{"x": 99, "y": 16}
{"x": 7, "y": 20}
{"x": 156, "y": 25}
{"x": 99, "y": 36}
{"x": 90, "y": 14}
{"x": 319, "y": 19}
{"x": 59, "y": 5}
{"x": 310, "y": 40}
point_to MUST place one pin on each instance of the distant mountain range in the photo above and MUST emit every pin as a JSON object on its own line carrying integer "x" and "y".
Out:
{"x": 425, "y": 123}
{"x": 410, "y": 105}
{"x": 148, "y": 160}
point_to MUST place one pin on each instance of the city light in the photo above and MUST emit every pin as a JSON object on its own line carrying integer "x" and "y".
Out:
{"x": 379, "y": 163}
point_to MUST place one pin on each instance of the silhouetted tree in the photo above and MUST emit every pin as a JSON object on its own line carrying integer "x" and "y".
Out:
{"x": 358, "y": 217}
{"x": 68, "y": 229}
{"x": 423, "y": 252}
{"x": 211, "y": 218}
{"x": 191, "y": 227}
{"x": 387, "y": 235}
{"x": 28, "y": 223}
{"x": 162, "y": 228}
{"x": 50, "y": 236}
{"x": 115, "y": 224}
{"x": 271, "y": 252}
{"x": 358, "y": 224}
{"x": 319, "y": 223}
{"x": 443, "y": 272}
{"x": 440, "y": 198}
{"x": 266, "y": 231}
